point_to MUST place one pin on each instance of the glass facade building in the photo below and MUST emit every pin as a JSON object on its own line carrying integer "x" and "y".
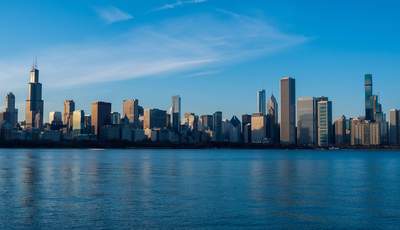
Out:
{"x": 78, "y": 122}
{"x": 307, "y": 126}
{"x": 325, "y": 123}
{"x": 261, "y": 102}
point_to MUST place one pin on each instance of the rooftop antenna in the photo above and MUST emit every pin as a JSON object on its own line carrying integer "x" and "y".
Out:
{"x": 263, "y": 85}
{"x": 33, "y": 63}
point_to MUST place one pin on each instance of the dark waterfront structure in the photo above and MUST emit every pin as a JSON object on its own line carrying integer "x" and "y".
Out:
{"x": 288, "y": 111}
{"x": 34, "y": 104}
{"x": 101, "y": 115}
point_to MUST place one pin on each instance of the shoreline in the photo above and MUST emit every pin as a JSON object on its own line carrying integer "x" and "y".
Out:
{"x": 123, "y": 144}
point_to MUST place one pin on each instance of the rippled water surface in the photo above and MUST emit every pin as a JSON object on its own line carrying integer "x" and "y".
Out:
{"x": 170, "y": 189}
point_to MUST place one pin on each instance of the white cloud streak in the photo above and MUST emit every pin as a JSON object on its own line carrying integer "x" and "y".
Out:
{"x": 170, "y": 48}
{"x": 178, "y": 3}
{"x": 112, "y": 14}
{"x": 204, "y": 73}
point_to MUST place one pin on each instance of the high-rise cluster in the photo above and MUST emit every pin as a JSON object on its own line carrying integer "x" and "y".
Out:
{"x": 312, "y": 125}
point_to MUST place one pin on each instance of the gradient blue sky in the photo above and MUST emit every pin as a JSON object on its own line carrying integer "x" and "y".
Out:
{"x": 215, "y": 54}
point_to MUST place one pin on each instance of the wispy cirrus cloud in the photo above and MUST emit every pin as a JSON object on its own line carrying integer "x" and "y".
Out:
{"x": 172, "y": 47}
{"x": 204, "y": 73}
{"x": 178, "y": 3}
{"x": 112, "y": 14}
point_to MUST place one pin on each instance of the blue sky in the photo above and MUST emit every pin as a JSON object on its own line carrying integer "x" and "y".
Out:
{"x": 215, "y": 54}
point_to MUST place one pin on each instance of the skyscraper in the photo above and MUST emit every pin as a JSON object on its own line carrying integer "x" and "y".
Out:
{"x": 369, "y": 100}
{"x": 272, "y": 114}
{"x": 78, "y": 125}
{"x": 261, "y": 102}
{"x": 217, "y": 120}
{"x": 34, "y": 104}
{"x": 340, "y": 130}
{"x": 307, "y": 118}
{"x": 10, "y": 108}
{"x": 101, "y": 115}
{"x": 207, "y": 121}
{"x": 69, "y": 108}
{"x": 54, "y": 115}
{"x": 288, "y": 110}
{"x": 154, "y": 118}
{"x": 394, "y": 126}
{"x": 115, "y": 118}
{"x": 176, "y": 114}
{"x": 325, "y": 134}
{"x": 258, "y": 127}
{"x": 130, "y": 109}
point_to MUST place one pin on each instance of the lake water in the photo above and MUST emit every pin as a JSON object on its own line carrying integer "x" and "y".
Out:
{"x": 199, "y": 189}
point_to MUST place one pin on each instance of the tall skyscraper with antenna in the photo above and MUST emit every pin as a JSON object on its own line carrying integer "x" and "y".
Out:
{"x": 34, "y": 104}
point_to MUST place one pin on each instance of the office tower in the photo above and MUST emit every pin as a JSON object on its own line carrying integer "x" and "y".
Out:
{"x": 217, "y": 121}
{"x": 176, "y": 114}
{"x": 272, "y": 114}
{"x": 288, "y": 111}
{"x": 208, "y": 121}
{"x": 307, "y": 121}
{"x": 69, "y": 108}
{"x": 193, "y": 122}
{"x": 87, "y": 122}
{"x": 54, "y": 115}
{"x": 154, "y": 118}
{"x": 131, "y": 110}
{"x": 116, "y": 118}
{"x": 354, "y": 131}
{"x": 261, "y": 102}
{"x": 272, "y": 108}
{"x": 340, "y": 130}
{"x": 101, "y": 115}
{"x": 88, "y": 119}
{"x": 324, "y": 123}
{"x": 78, "y": 125}
{"x": 369, "y": 100}
{"x": 394, "y": 126}
{"x": 10, "y": 108}
{"x": 258, "y": 127}
{"x": 246, "y": 120}
{"x": 235, "y": 132}
{"x": 187, "y": 115}
{"x": 34, "y": 104}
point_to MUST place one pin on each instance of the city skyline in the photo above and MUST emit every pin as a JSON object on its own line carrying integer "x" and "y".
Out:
{"x": 283, "y": 39}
